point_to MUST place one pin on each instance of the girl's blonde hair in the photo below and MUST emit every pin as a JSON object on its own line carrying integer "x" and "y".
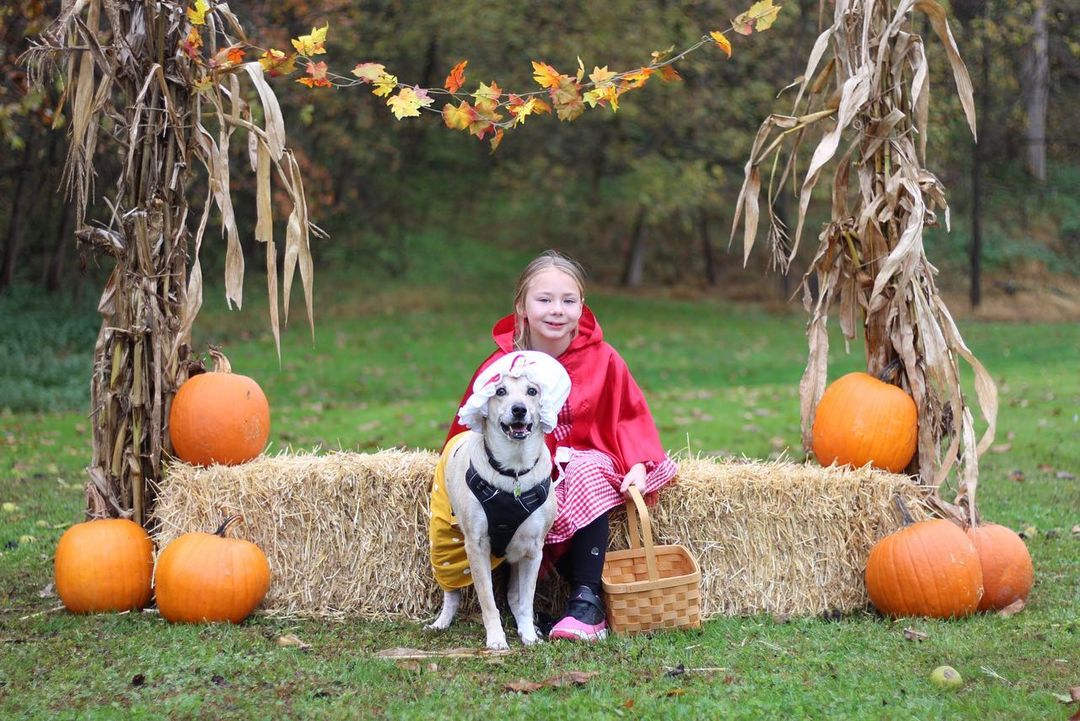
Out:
{"x": 546, "y": 260}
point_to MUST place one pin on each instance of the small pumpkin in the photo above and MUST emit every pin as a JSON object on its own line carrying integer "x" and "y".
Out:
{"x": 209, "y": 577}
{"x": 929, "y": 568}
{"x": 1006, "y": 565}
{"x": 104, "y": 565}
{"x": 219, "y": 417}
{"x": 861, "y": 419}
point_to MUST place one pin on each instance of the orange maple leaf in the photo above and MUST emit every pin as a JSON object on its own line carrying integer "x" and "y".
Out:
{"x": 567, "y": 99}
{"x": 460, "y": 117}
{"x": 456, "y": 78}
{"x": 192, "y": 43}
{"x": 316, "y": 76}
{"x": 546, "y": 76}
{"x": 497, "y": 140}
{"x": 487, "y": 97}
{"x": 637, "y": 78}
{"x": 669, "y": 73}
{"x": 721, "y": 41}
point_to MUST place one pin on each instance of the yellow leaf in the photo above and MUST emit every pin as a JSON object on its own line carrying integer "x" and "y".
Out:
{"x": 369, "y": 72}
{"x": 385, "y": 85}
{"x": 276, "y": 62}
{"x": 313, "y": 43}
{"x": 760, "y": 17}
{"x": 601, "y": 77}
{"x": 721, "y": 41}
{"x": 608, "y": 94}
{"x": 521, "y": 109}
{"x": 580, "y": 69}
{"x": 197, "y": 12}
{"x": 407, "y": 103}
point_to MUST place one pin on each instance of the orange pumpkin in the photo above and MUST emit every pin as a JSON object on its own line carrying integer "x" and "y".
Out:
{"x": 861, "y": 420}
{"x": 930, "y": 568}
{"x": 208, "y": 577}
{"x": 104, "y": 565}
{"x": 1006, "y": 565}
{"x": 219, "y": 417}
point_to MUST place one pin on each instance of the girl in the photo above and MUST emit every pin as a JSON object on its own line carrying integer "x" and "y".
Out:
{"x": 605, "y": 439}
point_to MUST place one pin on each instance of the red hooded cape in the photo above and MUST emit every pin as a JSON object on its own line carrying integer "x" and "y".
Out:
{"x": 607, "y": 409}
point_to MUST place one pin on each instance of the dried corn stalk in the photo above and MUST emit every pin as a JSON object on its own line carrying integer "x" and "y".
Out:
{"x": 865, "y": 93}
{"x": 132, "y": 88}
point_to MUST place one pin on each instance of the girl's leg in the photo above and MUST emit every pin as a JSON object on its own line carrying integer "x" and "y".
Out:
{"x": 581, "y": 565}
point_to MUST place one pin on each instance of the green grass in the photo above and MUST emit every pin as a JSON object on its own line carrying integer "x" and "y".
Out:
{"x": 387, "y": 365}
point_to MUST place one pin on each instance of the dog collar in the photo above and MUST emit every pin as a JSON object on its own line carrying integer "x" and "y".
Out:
{"x": 508, "y": 472}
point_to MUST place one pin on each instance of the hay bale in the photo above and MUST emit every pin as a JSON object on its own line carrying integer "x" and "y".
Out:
{"x": 346, "y": 533}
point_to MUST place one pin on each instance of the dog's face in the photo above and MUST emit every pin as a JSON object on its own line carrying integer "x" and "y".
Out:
{"x": 515, "y": 408}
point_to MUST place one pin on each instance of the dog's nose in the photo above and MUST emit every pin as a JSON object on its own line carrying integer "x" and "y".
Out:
{"x": 518, "y": 410}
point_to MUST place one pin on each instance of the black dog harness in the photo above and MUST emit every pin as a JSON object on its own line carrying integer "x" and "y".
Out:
{"x": 505, "y": 511}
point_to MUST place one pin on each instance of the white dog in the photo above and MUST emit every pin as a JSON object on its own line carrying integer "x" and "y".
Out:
{"x": 498, "y": 479}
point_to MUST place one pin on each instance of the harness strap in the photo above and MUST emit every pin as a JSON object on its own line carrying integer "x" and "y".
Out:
{"x": 505, "y": 511}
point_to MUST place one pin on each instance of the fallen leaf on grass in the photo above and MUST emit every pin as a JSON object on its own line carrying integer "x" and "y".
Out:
{"x": 291, "y": 640}
{"x": 1065, "y": 476}
{"x": 49, "y": 591}
{"x": 572, "y": 678}
{"x": 1001, "y": 448}
{"x": 416, "y": 653}
{"x": 912, "y": 634}
{"x": 674, "y": 692}
{"x": 1076, "y": 531}
{"x": 1017, "y": 475}
{"x": 1013, "y": 608}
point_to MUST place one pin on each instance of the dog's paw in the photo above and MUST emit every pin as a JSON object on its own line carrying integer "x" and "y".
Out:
{"x": 530, "y": 638}
{"x": 436, "y": 625}
{"x": 498, "y": 644}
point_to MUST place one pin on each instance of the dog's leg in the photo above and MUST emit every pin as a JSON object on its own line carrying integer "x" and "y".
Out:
{"x": 522, "y": 589}
{"x": 450, "y": 603}
{"x": 480, "y": 566}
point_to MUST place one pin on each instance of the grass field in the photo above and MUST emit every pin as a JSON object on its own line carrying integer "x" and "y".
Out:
{"x": 386, "y": 367}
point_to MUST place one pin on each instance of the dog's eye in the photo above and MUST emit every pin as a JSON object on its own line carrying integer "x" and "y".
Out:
{"x": 532, "y": 391}
{"x": 500, "y": 391}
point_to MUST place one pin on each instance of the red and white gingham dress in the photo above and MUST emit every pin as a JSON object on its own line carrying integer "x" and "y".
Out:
{"x": 589, "y": 484}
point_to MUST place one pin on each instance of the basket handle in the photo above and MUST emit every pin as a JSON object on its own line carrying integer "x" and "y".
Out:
{"x": 646, "y": 530}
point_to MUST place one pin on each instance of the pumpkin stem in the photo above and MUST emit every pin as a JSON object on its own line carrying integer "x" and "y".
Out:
{"x": 890, "y": 371}
{"x": 221, "y": 363}
{"x": 908, "y": 520}
{"x": 227, "y": 524}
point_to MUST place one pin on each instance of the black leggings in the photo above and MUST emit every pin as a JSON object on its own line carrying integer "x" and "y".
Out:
{"x": 582, "y": 563}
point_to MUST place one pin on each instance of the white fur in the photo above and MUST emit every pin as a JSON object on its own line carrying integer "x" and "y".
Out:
{"x": 525, "y": 548}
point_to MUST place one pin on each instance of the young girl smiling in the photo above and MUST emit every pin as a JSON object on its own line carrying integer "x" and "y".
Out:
{"x": 605, "y": 439}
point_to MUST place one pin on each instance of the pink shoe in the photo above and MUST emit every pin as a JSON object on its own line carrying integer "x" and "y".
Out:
{"x": 574, "y": 630}
{"x": 584, "y": 619}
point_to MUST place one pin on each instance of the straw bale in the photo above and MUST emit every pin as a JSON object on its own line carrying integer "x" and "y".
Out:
{"x": 346, "y": 533}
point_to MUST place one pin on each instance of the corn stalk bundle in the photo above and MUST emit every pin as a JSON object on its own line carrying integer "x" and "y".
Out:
{"x": 864, "y": 97}
{"x": 133, "y": 89}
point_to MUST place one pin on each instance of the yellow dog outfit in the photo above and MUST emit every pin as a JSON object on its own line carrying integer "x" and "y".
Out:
{"x": 449, "y": 562}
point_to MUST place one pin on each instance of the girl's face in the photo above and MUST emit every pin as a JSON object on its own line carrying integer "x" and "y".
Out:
{"x": 552, "y": 309}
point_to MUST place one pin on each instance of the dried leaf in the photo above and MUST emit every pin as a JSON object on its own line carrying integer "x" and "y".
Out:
{"x": 912, "y": 634}
{"x": 1013, "y": 608}
{"x": 291, "y": 640}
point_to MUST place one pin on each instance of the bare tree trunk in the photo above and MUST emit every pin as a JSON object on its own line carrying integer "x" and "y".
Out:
{"x": 54, "y": 275}
{"x": 977, "y": 171}
{"x": 16, "y": 223}
{"x": 1036, "y": 93}
{"x": 634, "y": 268}
{"x": 707, "y": 254}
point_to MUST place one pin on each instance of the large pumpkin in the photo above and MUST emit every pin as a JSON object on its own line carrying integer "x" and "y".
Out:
{"x": 219, "y": 417}
{"x": 930, "y": 568}
{"x": 1006, "y": 565}
{"x": 104, "y": 565}
{"x": 861, "y": 420}
{"x": 208, "y": 577}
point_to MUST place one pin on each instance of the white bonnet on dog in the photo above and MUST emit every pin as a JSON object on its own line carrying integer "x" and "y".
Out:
{"x": 540, "y": 368}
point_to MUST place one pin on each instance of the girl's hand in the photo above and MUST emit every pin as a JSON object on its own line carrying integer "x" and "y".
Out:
{"x": 635, "y": 477}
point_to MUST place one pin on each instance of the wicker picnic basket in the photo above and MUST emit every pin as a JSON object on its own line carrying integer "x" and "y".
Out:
{"x": 650, "y": 587}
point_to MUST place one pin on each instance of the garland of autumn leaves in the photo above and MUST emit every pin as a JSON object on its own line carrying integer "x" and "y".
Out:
{"x": 479, "y": 113}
